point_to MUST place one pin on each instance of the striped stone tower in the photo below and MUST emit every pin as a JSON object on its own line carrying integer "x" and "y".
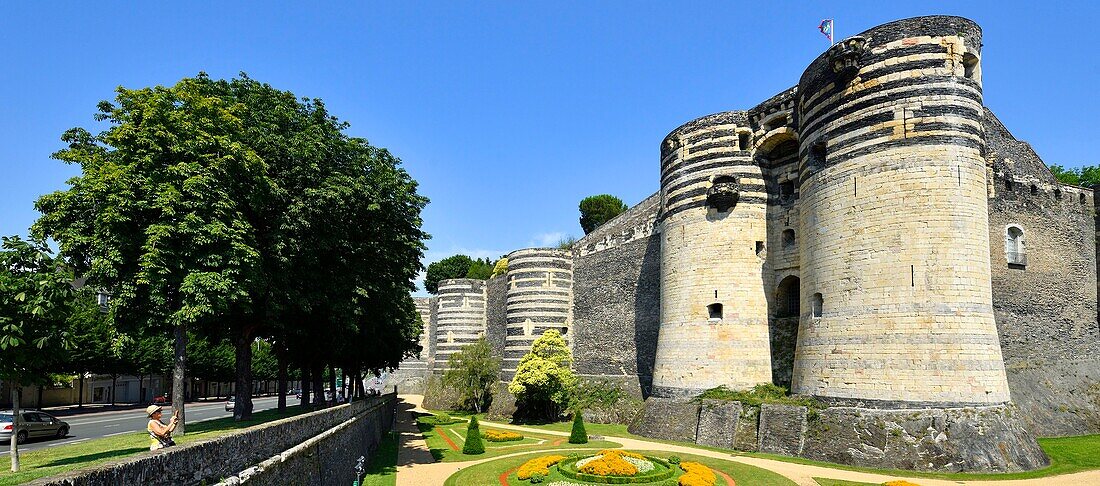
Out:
{"x": 539, "y": 297}
{"x": 714, "y": 312}
{"x": 420, "y": 365}
{"x": 896, "y": 300}
{"x": 460, "y": 318}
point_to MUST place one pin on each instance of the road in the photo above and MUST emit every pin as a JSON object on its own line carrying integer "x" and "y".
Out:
{"x": 89, "y": 426}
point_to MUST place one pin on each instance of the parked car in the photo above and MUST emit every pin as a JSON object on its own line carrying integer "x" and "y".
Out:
{"x": 229, "y": 404}
{"x": 33, "y": 424}
{"x": 160, "y": 400}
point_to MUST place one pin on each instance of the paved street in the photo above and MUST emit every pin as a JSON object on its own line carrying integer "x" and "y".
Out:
{"x": 89, "y": 426}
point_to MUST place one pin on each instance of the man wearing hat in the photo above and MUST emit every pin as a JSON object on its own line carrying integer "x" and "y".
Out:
{"x": 160, "y": 434}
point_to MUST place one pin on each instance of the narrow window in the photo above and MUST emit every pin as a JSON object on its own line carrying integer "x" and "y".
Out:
{"x": 1034, "y": 189}
{"x": 1008, "y": 184}
{"x": 760, "y": 249}
{"x": 818, "y": 155}
{"x": 970, "y": 66}
{"x": 788, "y": 238}
{"x": 743, "y": 140}
{"x": 1081, "y": 197}
{"x": 816, "y": 303}
{"x": 714, "y": 311}
{"x": 1058, "y": 194}
{"x": 1015, "y": 252}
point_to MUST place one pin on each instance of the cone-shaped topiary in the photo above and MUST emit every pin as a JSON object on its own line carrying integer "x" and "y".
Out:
{"x": 473, "y": 444}
{"x": 579, "y": 435}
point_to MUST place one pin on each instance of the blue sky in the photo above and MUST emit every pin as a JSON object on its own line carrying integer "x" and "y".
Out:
{"x": 508, "y": 113}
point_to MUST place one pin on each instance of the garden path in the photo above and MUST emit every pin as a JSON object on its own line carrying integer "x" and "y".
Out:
{"x": 429, "y": 473}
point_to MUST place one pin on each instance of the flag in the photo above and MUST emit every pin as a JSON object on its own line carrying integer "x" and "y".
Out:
{"x": 826, "y": 28}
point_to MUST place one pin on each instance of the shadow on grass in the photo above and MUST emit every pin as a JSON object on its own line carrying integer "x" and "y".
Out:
{"x": 94, "y": 457}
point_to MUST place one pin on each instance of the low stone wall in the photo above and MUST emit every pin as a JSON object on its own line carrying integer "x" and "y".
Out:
{"x": 319, "y": 448}
{"x": 977, "y": 439}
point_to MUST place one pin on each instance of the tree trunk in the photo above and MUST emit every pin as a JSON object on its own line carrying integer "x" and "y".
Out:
{"x": 304, "y": 386}
{"x": 281, "y": 385}
{"x": 114, "y": 388}
{"x": 40, "y": 387}
{"x": 332, "y": 381}
{"x": 80, "y": 393}
{"x": 179, "y": 367}
{"x": 242, "y": 405}
{"x": 318, "y": 384}
{"x": 14, "y": 447}
{"x": 141, "y": 388}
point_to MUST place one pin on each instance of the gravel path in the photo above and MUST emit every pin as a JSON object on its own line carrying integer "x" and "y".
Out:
{"x": 424, "y": 471}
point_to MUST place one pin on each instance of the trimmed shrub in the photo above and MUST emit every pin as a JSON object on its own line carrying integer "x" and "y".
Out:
{"x": 578, "y": 435}
{"x": 537, "y": 478}
{"x": 673, "y": 459}
{"x": 473, "y": 444}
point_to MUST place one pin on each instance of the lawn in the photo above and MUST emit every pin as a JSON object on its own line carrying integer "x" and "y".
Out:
{"x": 56, "y": 460}
{"x": 382, "y": 469}
{"x": 446, "y": 441}
{"x": 841, "y": 482}
{"x": 488, "y": 474}
{"x": 1067, "y": 455}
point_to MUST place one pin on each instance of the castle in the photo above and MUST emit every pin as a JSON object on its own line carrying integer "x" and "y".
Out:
{"x": 873, "y": 237}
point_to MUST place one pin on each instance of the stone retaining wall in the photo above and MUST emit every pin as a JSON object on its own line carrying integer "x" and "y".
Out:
{"x": 315, "y": 448}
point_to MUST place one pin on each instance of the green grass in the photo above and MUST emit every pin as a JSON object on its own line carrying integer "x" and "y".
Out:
{"x": 442, "y": 451}
{"x": 487, "y": 474}
{"x": 841, "y": 482}
{"x": 56, "y": 460}
{"x": 382, "y": 469}
{"x": 1067, "y": 455}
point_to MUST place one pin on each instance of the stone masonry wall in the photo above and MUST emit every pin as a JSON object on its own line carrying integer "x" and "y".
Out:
{"x": 328, "y": 461}
{"x": 1045, "y": 305}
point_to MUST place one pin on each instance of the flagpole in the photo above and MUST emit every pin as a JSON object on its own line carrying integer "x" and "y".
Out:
{"x": 832, "y": 38}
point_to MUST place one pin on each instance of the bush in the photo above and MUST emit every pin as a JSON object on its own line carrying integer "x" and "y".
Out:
{"x": 578, "y": 435}
{"x": 762, "y": 393}
{"x": 500, "y": 267}
{"x": 537, "y": 478}
{"x": 443, "y": 419}
{"x": 473, "y": 444}
{"x": 673, "y": 459}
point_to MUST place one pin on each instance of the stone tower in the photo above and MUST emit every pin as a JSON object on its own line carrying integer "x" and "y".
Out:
{"x": 896, "y": 304}
{"x": 539, "y": 297}
{"x": 714, "y": 312}
{"x": 460, "y": 318}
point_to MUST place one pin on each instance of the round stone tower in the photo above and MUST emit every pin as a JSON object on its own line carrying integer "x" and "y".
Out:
{"x": 714, "y": 312}
{"x": 460, "y": 317}
{"x": 539, "y": 297}
{"x": 895, "y": 290}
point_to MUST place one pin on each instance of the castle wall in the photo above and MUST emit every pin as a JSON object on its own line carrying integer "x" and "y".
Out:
{"x": 496, "y": 329}
{"x": 411, "y": 372}
{"x": 1046, "y": 305}
{"x": 617, "y": 298}
{"x": 894, "y": 218}
{"x": 460, "y": 317}
{"x": 539, "y": 297}
{"x": 714, "y": 325}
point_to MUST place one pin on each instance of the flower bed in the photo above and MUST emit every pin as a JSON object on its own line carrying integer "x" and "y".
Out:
{"x": 696, "y": 474}
{"x": 500, "y": 435}
{"x": 538, "y": 465}
{"x": 616, "y": 467}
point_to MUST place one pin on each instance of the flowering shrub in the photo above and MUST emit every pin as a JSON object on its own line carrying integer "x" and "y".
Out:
{"x": 899, "y": 483}
{"x": 500, "y": 436}
{"x": 609, "y": 465}
{"x": 538, "y": 465}
{"x": 696, "y": 474}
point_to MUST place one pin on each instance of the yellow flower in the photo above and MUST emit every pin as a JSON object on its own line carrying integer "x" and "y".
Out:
{"x": 539, "y": 465}
{"x": 696, "y": 474}
{"x": 610, "y": 463}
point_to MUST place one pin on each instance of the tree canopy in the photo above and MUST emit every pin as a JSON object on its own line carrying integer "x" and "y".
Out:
{"x": 544, "y": 381}
{"x": 599, "y": 209}
{"x": 457, "y": 266}
{"x": 1085, "y": 176}
{"x": 472, "y": 372}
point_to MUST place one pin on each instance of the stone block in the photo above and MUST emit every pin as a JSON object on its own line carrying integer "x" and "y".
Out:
{"x": 718, "y": 421}
{"x": 668, "y": 418}
{"x": 782, "y": 429}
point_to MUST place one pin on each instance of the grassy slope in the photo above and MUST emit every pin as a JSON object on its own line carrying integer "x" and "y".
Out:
{"x": 487, "y": 474}
{"x": 382, "y": 470}
{"x": 1067, "y": 455}
{"x": 56, "y": 460}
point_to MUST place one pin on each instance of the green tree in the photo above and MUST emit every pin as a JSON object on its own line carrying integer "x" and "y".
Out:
{"x": 1085, "y": 176}
{"x": 92, "y": 335}
{"x": 36, "y": 300}
{"x": 578, "y": 435}
{"x": 480, "y": 269}
{"x": 599, "y": 209}
{"x": 457, "y": 266}
{"x": 473, "y": 371}
{"x": 500, "y": 267}
{"x": 544, "y": 383}
{"x": 474, "y": 444}
{"x": 211, "y": 360}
